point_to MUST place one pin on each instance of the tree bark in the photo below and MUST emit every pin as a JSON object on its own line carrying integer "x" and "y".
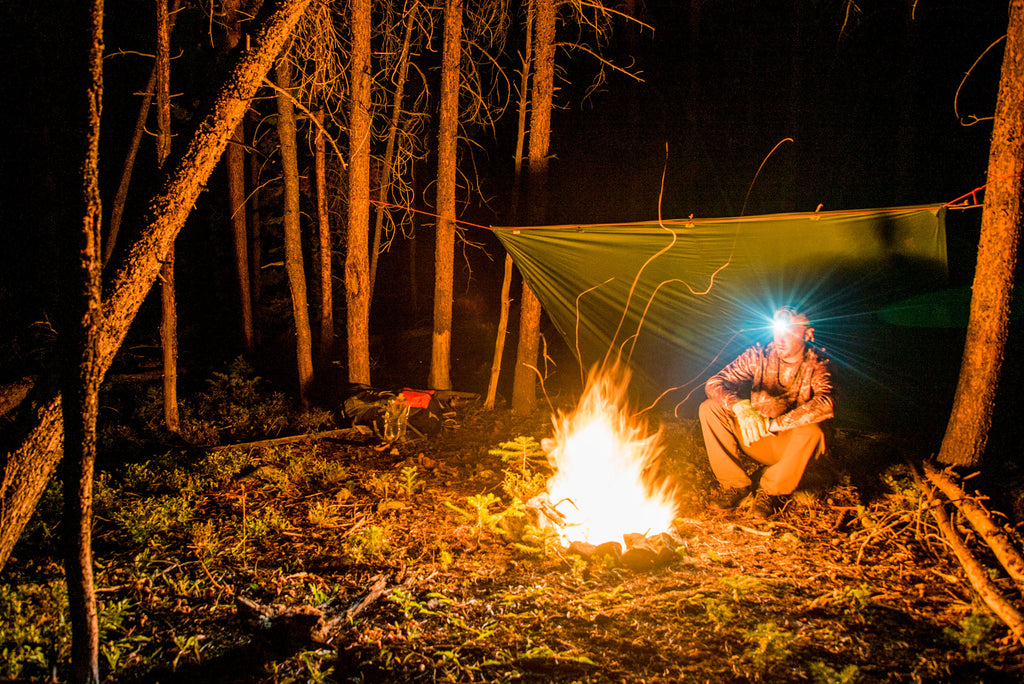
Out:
{"x": 389, "y": 150}
{"x": 286, "y": 133}
{"x": 524, "y": 101}
{"x": 988, "y": 323}
{"x": 256, "y": 232}
{"x": 80, "y": 380}
{"x": 326, "y": 249}
{"x": 524, "y": 382}
{"x": 499, "y": 341}
{"x": 234, "y": 162}
{"x": 524, "y": 104}
{"x": 38, "y": 435}
{"x": 357, "y": 259}
{"x": 168, "y": 303}
{"x": 444, "y": 248}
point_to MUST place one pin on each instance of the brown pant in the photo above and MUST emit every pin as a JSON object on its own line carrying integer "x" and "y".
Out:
{"x": 785, "y": 453}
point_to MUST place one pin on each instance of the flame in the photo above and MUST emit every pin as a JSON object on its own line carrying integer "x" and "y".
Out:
{"x": 604, "y": 461}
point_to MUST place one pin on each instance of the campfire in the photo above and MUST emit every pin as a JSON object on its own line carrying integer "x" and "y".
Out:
{"x": 604, "y": 487}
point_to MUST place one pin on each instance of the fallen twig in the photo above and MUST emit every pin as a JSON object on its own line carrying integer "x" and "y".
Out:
{"x": 974, "y": 570}
{"x": 1007, "y": 555}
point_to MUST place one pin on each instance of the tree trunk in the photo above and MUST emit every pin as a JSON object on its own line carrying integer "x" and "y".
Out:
{"x": 81, "y": 380}
{"x": 292, "y": 232}
{"x": 414, "y": 288}
{"x": 324, "y": 232}
{"x": 987, "y": 326}
{"x": 168, "y": 304}
{"x": 117, "y": 210}
{"x": 28, "y": 468}
{"x": 256, "y": 253}
{"x": 357, "y": 260}
{"x": 524, "y": 104}
{"x": 444, "y": 248}
{"x": 499, "y": 341}
{"x": 524, "y": 385}
{"x": 234, "y": 162}
{"x": 169, "y": 343}
{"x": 389, "y": 151}
{"x": 524, "y": 101}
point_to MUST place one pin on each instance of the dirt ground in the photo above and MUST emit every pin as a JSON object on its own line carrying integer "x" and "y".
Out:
{"x": 389, "y": 563}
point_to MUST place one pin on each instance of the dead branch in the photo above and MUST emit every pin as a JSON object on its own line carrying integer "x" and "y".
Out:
{"x": 290, "y": 439}
{"x": 974, "y": 570}
{"x": 332, "y": 620}
{"x": 313, "y": 624}
{"x": 378, "y": 589}
{"x": 1007, "y": 555}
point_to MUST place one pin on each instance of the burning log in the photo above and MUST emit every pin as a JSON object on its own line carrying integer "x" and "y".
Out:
{"x": 604, "y": 460}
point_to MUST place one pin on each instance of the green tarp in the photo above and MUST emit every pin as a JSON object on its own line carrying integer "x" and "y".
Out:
{"x": 948, "y": 308}
{"x": 680, "y": 298}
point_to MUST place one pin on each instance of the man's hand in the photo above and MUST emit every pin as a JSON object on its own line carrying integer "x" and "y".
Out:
{"x": 753, "y": 426}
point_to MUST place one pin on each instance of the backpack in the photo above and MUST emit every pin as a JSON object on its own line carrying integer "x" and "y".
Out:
{"x": 394, "y": 416}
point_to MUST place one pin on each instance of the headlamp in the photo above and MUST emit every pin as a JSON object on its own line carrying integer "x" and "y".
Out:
{"x": 786, "y": 318}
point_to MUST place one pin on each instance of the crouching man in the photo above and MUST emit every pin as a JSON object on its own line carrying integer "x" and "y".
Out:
{"x": 767, "y": 405}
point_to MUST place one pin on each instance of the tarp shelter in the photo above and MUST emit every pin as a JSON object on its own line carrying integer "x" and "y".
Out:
{"x": 680, "y": 298}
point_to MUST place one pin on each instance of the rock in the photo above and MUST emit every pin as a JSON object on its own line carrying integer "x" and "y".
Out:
{"x": 613, "y": 549}
{"x": 582, "y": 549}
{"x": 640, "y": 558}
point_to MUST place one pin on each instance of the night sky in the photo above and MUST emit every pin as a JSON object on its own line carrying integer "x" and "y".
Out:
{"x": 869, "y": 106}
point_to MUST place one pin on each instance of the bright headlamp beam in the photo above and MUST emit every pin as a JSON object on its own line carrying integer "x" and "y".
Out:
{"x": 780, "y": 325}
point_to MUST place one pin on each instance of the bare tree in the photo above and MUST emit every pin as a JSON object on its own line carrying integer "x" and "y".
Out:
{"x": 234, "y": 164}
{"x": 444, "y": 249}
{"x": 39, "y": 442}
{"x": 286, "y": 133}
{"x": 81, "y": 378}
{"x": 396, "y": 125}
{"x": 323, "y": 223}
{"x": 168, "y": 303}
{"x": 357, "y": 260}
{"x": 316, "y": 56}
{"x": 524, "y": 387}
{"x": 595, "y": 18}
{"x": 987, "y": 326}
{"x": 526, "y": 61}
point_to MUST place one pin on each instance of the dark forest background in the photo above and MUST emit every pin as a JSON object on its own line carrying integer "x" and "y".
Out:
{"x": 873, "y": 95}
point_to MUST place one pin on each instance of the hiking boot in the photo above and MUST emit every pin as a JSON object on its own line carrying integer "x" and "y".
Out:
{"x": 727, "y": 499}
{"x": 763, "y": 505}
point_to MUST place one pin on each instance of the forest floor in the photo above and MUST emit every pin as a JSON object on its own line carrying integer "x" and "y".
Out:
{"x": 345, "y": 559}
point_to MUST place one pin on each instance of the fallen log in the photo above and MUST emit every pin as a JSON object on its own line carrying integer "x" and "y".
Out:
{"x": 291, "y": 439}
{"x": 1007, "y": 555}
{"x": 974, "y": 570}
